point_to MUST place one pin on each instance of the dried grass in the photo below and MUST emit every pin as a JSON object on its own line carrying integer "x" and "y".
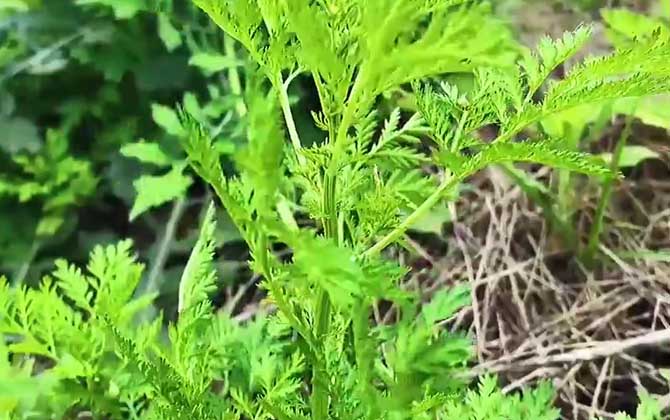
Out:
{"x": 537, "y": 314}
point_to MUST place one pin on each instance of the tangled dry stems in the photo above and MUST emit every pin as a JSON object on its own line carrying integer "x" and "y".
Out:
{"x": 538, "y": 314}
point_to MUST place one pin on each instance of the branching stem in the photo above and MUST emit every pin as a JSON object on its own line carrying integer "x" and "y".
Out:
{"x": 331, "y": 230}
{"x": 447, "y": 184}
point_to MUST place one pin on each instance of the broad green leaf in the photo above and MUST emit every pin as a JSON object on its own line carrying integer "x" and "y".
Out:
{"x": 632, "y": 156}
{"x": 123, "y": 9}
{"x": 570, "y": 124}
{"x": 168, "y": 34}
{"x": 622, "y": 25}
{"x": 19, "y": 134}
{"x": 653, "y": 110}
{"x": 49, "y": 225}
{"x": 191, "y": 105}
{"x": 212, "y": 63}
{"x": 153, "y": 191}
{"x": 433, "y": 221}
{"x": 147, "y": 153}
{"x": 167, "y": 118}
{"x": 14, "y": 5}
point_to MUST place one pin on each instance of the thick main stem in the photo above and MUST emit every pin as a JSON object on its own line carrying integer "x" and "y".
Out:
{"x": 320, "y": 380}
{"x": 322, "y": 310}
{"x": 330, "y": 226}
{"x": 331, "y": 230}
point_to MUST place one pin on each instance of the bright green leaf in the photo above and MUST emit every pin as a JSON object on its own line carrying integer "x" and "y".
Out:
{"x": 168, "y": 34}
{"x": 167, "y": 118}
{"x": 622, "y": 25}
{"x": 632, "y": 156}
{"x": 14, "y": 5}
{"x": 153, "y": 191}
{"x": 123, "y": 9}
{"x": 433, "y": 221}
{"x": 653, "y": 110}
{"x": 212, "y": 62}
{"x": 147, "y": 153}
{"x": 199, "y": 277}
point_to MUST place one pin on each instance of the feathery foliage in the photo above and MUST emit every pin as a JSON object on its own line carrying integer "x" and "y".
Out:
{"x": 319, "y": 356}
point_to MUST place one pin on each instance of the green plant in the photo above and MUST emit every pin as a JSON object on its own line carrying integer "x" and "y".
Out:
{"x": 350, "y": 71}
{"x": 580, "y": 125}
{"x": 320, "y": 356}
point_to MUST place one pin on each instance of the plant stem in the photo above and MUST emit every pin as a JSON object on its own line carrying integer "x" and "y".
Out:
{"x": 21, "y": 273}
{"x": 288, "y": 117}
{"x": 241, "y": 108}
{"x": 448, "y": 183}
{"x": 234, "y": 76}
{"x": 322, "y": 321}
{"x": 152, "y": 283}
{"x": 542, "y": 198}
{"x": 320, "y": 378}
{"x": 589, "y": 254}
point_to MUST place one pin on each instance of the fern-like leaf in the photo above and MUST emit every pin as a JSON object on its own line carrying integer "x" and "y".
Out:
{"x": 199, "y": 278}
{"x": 543, "y": 152}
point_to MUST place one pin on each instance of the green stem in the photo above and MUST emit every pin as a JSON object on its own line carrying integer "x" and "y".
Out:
{"x": 152, "y": 284}
{"x": 21, "y": 273}
{"x": 276, "y": 292}
{"x": 541, "y": 198}
{"x": 319, "y": 400}
{"x": 236, "y": 88}
{"x": 282, "y": 87}
{"x": 588, "y": 257}
{"x": 459, "y": 132}
{"x": 320, "y": 378}
{"x": 447, "y": 184}
{"x": 234, "y": 76}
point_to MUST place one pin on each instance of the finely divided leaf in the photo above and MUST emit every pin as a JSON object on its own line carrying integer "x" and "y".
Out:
{"x": 199, "y": 277}
{"x": 550, "y": 54}
{"x": 544, "y": 152}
